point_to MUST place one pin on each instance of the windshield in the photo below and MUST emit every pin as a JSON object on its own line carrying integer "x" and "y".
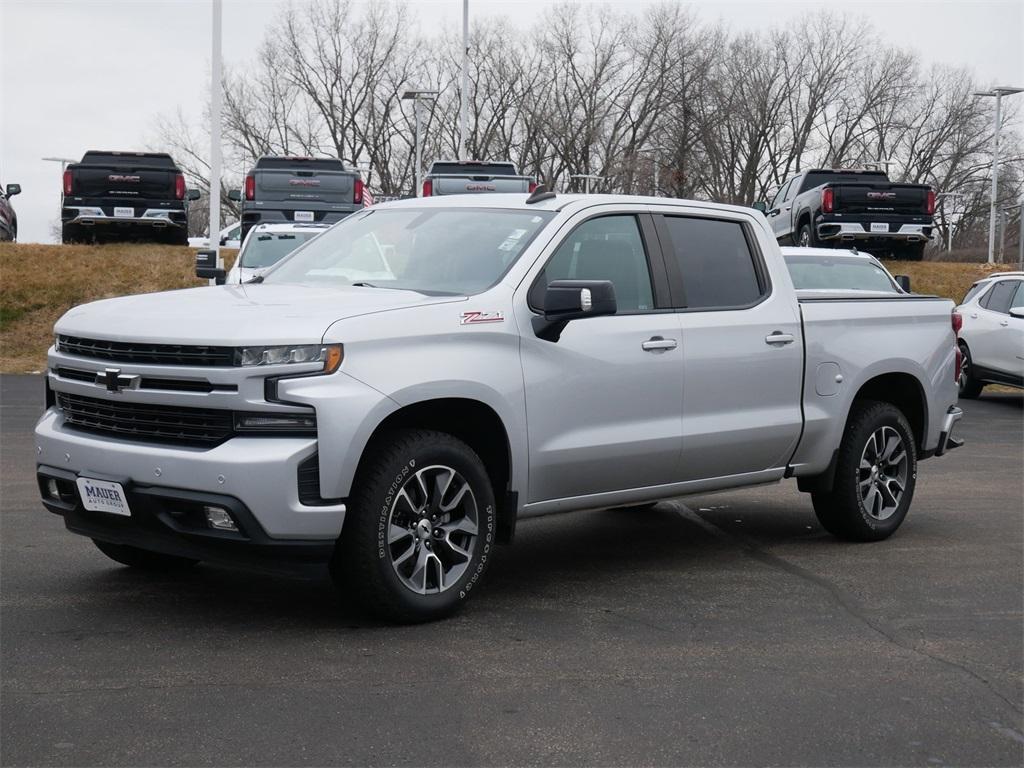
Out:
{"x": 459, "y": 251}
{"x": 265, "y": 249}
{"x": 824, "y": 274}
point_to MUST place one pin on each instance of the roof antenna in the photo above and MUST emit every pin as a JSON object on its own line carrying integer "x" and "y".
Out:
{"x": 539, "y": 194}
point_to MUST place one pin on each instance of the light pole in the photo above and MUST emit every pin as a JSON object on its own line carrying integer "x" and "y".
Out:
{"x": 998, "y": 92}
{"x": 416, "y": 96}
{"x": 463, "y": 96}
{"x": 215, "y": 157}
{"x": 949, "y": 226}
{"x": 587, "y": 177}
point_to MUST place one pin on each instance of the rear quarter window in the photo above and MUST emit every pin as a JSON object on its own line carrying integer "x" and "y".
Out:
{"x": 973, "y": 291}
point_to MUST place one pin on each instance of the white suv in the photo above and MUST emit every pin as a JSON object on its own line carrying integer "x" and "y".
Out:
{"x": 991, "y": 335}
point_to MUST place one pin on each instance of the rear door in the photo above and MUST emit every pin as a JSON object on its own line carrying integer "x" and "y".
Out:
{"x": 742, "y": 345}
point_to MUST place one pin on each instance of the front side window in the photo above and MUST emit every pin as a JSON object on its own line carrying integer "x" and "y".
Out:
{"x": 715, "y": 261}
{"x": 443, "y": 251}
{"x": 998, "y": 299}
{"x": 780, "y": 195}
{"x": 606, "y": 248}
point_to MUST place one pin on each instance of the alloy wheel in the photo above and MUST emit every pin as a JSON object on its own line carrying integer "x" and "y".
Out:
{"x": 882, "y": 475}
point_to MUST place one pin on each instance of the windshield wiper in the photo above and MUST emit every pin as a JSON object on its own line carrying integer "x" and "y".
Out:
{"x": 257, "y": 279}
{"x": 364, "y": 284}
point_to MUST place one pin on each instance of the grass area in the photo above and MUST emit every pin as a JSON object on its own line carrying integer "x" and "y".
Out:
{"x": 38, "y": 283}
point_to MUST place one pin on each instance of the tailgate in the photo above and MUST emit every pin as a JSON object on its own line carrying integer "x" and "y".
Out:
{"x": 463, "y": 185}
{"x": 886, "y": 198}
{"x": 304, "y": 185}
{"x": 128, "y": 180}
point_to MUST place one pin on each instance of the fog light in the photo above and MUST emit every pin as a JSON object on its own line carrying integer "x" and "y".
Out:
{"x": 52, "y": 490}
{"x": 219, "y": 519}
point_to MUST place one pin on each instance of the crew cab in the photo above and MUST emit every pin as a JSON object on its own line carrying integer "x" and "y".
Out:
{"x": 840, "y": 208}
{"x": 125, "y": 195}
{"x": 469, "y": 177}
{"x": 525, "y": 355}
{"x": 279, "y": 190}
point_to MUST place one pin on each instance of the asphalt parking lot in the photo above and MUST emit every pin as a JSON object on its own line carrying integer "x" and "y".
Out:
{"x": 722, "y": 630}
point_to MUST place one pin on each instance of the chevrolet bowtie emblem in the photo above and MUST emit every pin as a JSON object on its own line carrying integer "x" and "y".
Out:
{"x": 114, "y": 381}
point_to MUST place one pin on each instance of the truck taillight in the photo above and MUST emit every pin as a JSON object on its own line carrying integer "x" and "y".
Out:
{"x": 357, "y": 194}
{"x": 533, "y": 187}
{"x": 67, "y": 181}
{"x": 250, "y": 187}
{"x": 827, "y": 200}
{"x": 179, "y": 187}
{"x": 929, "y": 206}
{"x": 958, "y": 322}
{"x": 428, "y": 187}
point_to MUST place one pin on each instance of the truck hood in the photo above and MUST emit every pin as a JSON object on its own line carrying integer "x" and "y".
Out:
{"x": 234, "y": 315}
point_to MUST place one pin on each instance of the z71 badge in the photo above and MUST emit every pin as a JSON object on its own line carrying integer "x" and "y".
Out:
{"x": 473, "y": 318}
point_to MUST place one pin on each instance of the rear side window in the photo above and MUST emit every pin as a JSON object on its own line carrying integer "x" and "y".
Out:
{"x": 998, "y": 299}
{"x": 606, "y": 248}
{"x": 973, "y": 291}
{"x": 715, "y": 261}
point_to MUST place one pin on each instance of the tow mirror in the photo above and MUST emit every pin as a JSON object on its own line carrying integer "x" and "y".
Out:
{"x": 903, "y": 281}
{"x": 206, "y": 267}
{"x": 13, "y": 189}
{"x": 566, "y": 300}
{"x": 235, "y": 194}
{"x": 1017, "y": 312}
{"x": 761, "y": 206}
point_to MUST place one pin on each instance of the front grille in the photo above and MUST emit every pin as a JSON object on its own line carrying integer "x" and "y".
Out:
{"x": 153, "y": 423}
{"x": 152, "y": 382}
{"x": 136, "y": 352}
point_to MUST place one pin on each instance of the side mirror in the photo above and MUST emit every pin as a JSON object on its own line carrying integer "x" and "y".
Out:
{"x": 235, "y": 194}
{"x": 761, "y": 206}
{"x": 1017, "y": 312}
{"x": 13, "y": 189}
{"x": 192, "y": 194}
{"x": 206, "y": 267}
{"x": 566, "y": 300}
{"x": 903, "y": 281}
{"x": 223, "y": 241}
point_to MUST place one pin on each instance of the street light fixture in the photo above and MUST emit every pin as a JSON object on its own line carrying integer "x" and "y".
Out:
{"x": 998, "y": 92}
{"x": 416, "y": 96}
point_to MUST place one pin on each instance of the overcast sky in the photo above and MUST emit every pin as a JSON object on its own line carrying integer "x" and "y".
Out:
{"x": 93, "y": 74}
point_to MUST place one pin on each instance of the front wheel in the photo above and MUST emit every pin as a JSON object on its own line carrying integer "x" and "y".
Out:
{"x": 875, "y": 476}
{"x": 419, "y": 533}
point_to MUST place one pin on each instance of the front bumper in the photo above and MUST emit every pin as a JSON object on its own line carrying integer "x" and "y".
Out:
{"x": 260, "y": 473}
{"x": 946, "y": 440}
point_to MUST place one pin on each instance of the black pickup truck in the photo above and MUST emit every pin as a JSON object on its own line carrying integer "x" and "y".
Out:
{"x": 839, "y": 208}
{"x": 125, "y": 196}
{"x": 280, "y": 190}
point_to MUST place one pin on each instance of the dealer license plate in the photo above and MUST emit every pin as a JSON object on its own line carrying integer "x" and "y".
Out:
{"x": 103, "y": 496}
{"x": 883, "y": 227}
{"x": 124, "y": 213}
{"x": 304, "y": 216}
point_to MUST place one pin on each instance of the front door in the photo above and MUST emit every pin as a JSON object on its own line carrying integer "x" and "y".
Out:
{"x": 604, "y": 401}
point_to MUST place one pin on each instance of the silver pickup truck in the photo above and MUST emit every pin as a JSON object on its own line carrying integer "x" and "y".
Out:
{"x": 509, "y": 357}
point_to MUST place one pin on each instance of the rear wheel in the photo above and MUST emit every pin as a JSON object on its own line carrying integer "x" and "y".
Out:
{"x": 805, "y": 237}
{"x": 143, "y": 558}
{"x": 419, "y": 533}
{"x": 969, "y": 386}
{"x": 876, "y": 473}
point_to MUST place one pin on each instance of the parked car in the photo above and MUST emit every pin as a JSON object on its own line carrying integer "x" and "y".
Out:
{"x": 230, "y": 237}
{"x": 299, "y": 189}
{"x": 462, "y": 177}
{"x": 267, "y": 244}
{"x": 526, "y": 355}
{"x": 8, "y": 218}
{"x": 840, "y": 208}
{"x": 125, "y": 195}
{"x": 828, "y": 270}
{"x": 991, "y": 333}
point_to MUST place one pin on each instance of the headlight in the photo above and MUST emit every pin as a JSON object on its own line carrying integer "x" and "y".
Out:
{"x": 328, "y": 354}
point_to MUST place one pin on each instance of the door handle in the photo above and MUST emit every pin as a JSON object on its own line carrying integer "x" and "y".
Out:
{"x": 659, "y": 344}
{"x": 1005, "y": 323}
{"x": 974, "y": 315}
{"x": 779, "y": 338}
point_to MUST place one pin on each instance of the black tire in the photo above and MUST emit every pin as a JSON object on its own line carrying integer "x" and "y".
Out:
{"x": 70, "y": 234}
{"x": 380, "y": 573}
{"x": 805, "y": 236}
{"x": 143, "y": 558}
{"x": 969, "y": 386}
{"x": 844, "y": 511}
